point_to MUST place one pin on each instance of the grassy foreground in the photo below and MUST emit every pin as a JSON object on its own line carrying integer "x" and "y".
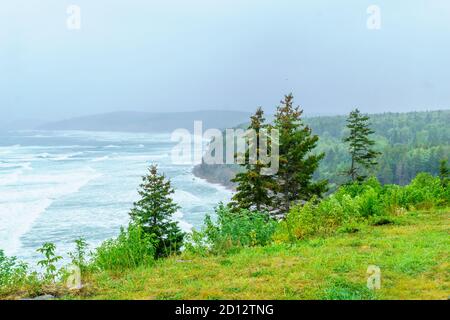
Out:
{"x": 413, "y": 254}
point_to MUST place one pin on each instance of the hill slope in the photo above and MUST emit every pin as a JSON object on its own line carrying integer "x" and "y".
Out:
{"x": 412, "y": 254}
{"x": 410, "y": 143}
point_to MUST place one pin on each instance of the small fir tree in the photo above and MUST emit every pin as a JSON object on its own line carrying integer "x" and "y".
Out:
{"x": 154, "y": 211}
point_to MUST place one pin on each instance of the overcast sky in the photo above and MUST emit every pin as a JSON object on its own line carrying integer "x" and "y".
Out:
{"x": 172, "y": 55}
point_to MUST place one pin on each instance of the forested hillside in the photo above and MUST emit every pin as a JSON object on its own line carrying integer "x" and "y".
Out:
{"x": 409, "y": 142}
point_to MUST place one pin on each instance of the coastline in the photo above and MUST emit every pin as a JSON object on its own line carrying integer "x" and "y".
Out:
{"x": 215, "y": 174}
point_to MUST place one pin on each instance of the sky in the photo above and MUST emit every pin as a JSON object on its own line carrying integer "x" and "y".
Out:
{"x": 182, "y": 55}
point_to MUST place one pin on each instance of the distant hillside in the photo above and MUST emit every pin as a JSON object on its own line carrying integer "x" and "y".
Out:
{"x": 410, "y": 143}
{"x": 150, "y": 122}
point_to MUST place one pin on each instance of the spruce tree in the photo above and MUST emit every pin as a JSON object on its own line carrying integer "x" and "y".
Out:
{"x": 363, "y": 157}
{"x": 153, "y": 212}
{"x": 444, "y": 173}
{"x": 254, "y": 190}
{"x": 297, "y": 161}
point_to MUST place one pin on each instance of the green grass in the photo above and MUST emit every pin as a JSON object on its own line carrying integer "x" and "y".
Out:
{"x": 412, "y": 251}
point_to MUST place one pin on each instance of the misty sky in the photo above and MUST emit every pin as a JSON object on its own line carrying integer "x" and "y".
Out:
{"x": 171, "y": 55}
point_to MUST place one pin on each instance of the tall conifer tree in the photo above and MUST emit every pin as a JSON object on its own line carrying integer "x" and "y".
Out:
{"x": 254, "y": 190}
{"x": 298, "y": 163}
{"x": 363, "y": 156}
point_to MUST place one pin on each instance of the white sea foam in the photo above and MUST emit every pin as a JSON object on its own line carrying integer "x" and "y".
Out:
{"x": 205, "y": 182}
{"x": 144, "y": 157}
{"x": 43, "y": 155}
{"x": 20, "y": 207}
{"x": 16, "y": 219}
{"x": 67, "y": 156}
{"x": 10, "y": 178}
{"x": 185, "y": 226}
{"x": 52, "y": 186}
{"x": 23, "y": 165}
{"x": 182, "y": 196}
{"x": 98, "y": 159}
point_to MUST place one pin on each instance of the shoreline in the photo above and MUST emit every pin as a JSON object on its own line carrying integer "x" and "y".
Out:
{"x": 196, "y": 172}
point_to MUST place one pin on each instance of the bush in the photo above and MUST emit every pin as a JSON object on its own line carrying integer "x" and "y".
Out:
{"x": 393, "y": 198}
{"x": 232, "y": 230}
{"x": 370, "y": 203}
{"x": 49, "y": 262}
{"x": 15, "y": 277}
{"x": 314, "y": 218}
{"x": 132, "y": 248}
{"x": 360, "y": 203}
{"x": 78, "y": 256}
{"x": 358, "y": 188}
{"x": 12, "y": 271}
{"x": 364, "y": 198}
{"x": 425, "y": 191}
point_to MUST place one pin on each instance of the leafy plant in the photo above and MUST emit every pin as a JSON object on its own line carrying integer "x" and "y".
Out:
{"x": 132, "y": 248}
{"x": 12, "y": 271}
{"x": 49, "y": 262}
{"x": 231, "y": 230}
{"x": 79, "y": 255}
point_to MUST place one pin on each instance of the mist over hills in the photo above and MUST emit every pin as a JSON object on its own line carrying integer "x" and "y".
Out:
{"x": 19, "y": 124}
{"x": 150, "y": 122}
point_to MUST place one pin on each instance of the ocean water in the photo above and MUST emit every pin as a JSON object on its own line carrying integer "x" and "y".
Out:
{"x": 58, "y": 186}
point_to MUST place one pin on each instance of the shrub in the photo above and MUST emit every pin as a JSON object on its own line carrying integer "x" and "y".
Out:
{"x": 132, "y": 248}
{"x": 360, "y": 203}
{"x": 232, "y": 230}
{"x": 15, "y": 277}
{"x": 49, "y": 262}
{"x": 314, "y": 218}
{"x": 300, "y": 222}
{"x": 358, "y": 188}
{"x": 370, "y": 203}
{"x": 12, "y": 271}
{"x": 79, "y": 255}
{"x": 393, "y": 198}
{"x": 425, "y": 191}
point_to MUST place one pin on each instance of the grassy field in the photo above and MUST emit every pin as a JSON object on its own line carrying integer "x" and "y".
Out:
{"x": 413, "y": 254}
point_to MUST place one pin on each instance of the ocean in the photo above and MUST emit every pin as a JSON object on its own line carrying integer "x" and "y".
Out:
{"x": 62, "y": 185}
